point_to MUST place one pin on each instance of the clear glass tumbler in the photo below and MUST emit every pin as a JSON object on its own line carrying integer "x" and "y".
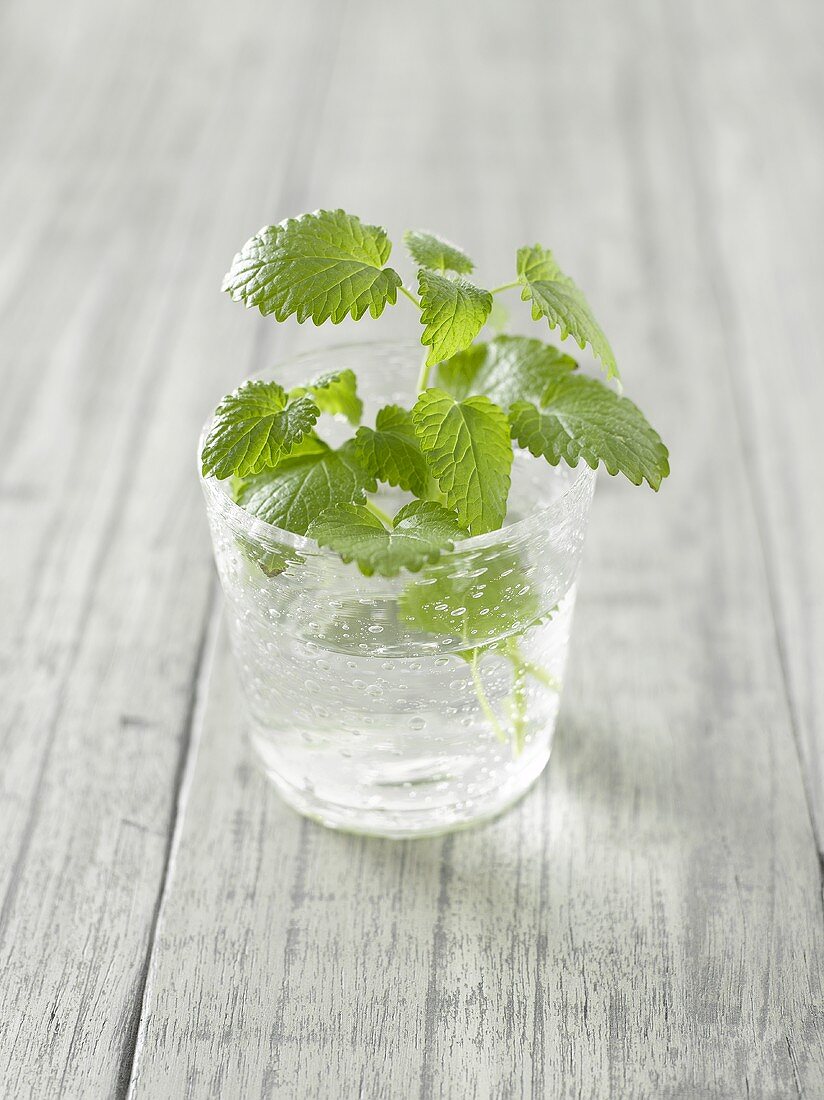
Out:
{"x": 417, "y": 704}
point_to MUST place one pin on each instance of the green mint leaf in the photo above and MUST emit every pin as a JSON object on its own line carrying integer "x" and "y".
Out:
{"x": 457, "y": 374}
{"x": 507, "y": 369}
{"x": 468, "y": 450}
{"x": 306, "y": 484}
{"x": 453, "y": 312}
{"x": 429, "y": 250}
{"x": 420, "y": 532}
{"x": 325, "y": 265}
{"x": 391, "y": 451}
{"x": 311, "y": 444}
{"x": 335, "y": 393}
{"x": 255, "y": 427}
{"x": 473, "y": 610}
{"x": 580, "y": 417}
{"x": 556, "y": 297}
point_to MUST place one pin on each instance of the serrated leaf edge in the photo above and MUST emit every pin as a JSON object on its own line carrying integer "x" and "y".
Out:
{"x": 285, "y": 448}
{"x": 609, "y": 365}
{"x": 428, "y": 316}
{"x": 613, "y": 469}
{"x": 430, "y": 557}
{"x": 375, "y": 308}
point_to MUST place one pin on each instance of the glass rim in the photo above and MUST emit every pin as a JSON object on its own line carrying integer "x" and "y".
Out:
{"x": 253, "y": 525}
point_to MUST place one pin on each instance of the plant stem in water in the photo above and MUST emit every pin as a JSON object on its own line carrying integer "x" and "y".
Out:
{"x": 513, "y": 652}
{"x": 486, "y": 706}
{"x": 541, "y": 675}
{"x": 518, "y": 704}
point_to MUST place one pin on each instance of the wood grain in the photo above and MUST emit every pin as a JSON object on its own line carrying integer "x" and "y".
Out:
{"x": 649, "y": 922}
{"x": 118, "y": 218}
{"x": 759, "y": 178}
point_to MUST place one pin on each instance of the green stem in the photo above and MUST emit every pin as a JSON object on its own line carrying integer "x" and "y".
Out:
{"x": 486, "y": 706}
{"x": 518, "y": 660}
{"x": 505, "y": 286}
{"x": 517, "y": 708}
{"x": 379, "y": 512}
{"x": 423, "y": 377}
{"x": 541, "y": 675}
{"x": 412, "y": 298}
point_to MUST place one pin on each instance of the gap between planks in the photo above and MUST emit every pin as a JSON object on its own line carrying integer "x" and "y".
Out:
{"x": 182, "y": 785}
{"x": 288, "y": 193}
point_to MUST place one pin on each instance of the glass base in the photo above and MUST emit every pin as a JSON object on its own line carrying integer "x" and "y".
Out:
{"x": 377, "y": 813}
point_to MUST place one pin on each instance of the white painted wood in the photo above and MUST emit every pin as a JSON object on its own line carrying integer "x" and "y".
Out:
{"x": 119, "y": 212}
{"x": 649, "y": 921}
{"x": 760, "y": 175}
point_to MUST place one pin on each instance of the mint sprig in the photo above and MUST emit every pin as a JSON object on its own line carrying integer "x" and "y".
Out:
{"x": 453, "y": 450}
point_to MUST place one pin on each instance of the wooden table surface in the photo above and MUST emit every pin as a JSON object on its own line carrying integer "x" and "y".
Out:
{"x": 648, "y": 922}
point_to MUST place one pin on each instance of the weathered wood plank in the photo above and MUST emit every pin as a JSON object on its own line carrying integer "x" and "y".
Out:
{"x": 649, "y": 921}
{"x": 224, "y": 1020}
{"x": 122, "y": 201}
{"x": 760, "y": 173}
